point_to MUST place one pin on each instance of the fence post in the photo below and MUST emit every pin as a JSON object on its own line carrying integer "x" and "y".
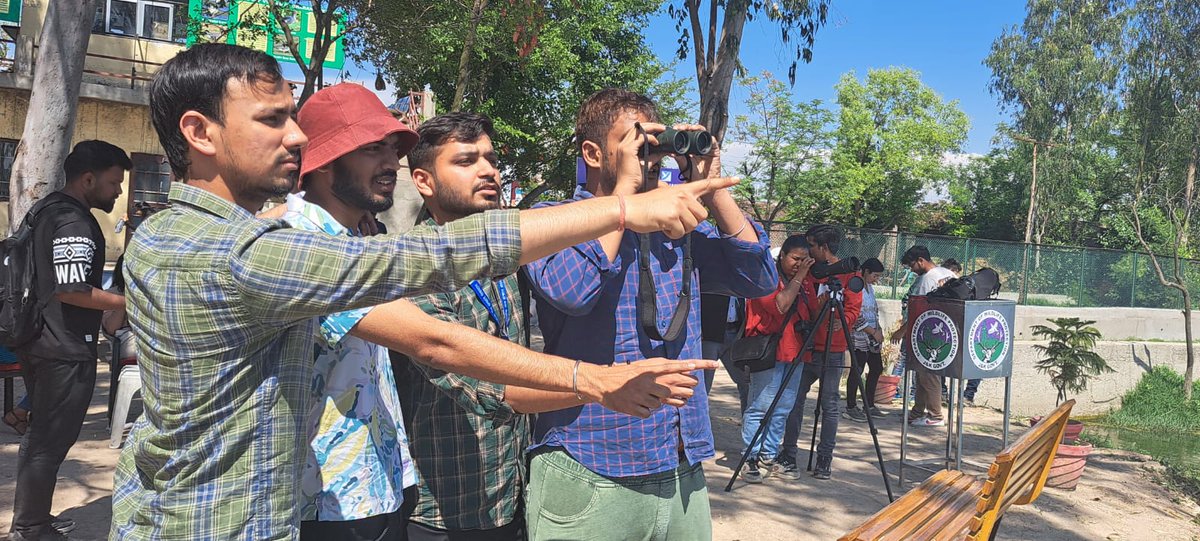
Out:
{"x": 967, "y": 258}
{"x": 895, "y": 262}
{"x": 1082, "y": 272}
{"x": 1133, "y": 281}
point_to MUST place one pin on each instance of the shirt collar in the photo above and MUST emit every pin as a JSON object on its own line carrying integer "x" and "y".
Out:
{"x": 204, "y": 200}
{"x": 299, "y": 207}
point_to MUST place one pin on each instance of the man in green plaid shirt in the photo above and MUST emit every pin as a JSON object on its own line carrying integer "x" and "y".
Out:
{"x": 468, "y": 437}
{"x": 222, "y": 305}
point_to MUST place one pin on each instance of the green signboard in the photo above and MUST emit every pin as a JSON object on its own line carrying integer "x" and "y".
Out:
{"x": 250, "y": 23}
{"x": 10, "y": 12}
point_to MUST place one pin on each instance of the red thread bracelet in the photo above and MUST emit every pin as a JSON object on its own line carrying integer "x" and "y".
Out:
{"x": 621, "y": 220}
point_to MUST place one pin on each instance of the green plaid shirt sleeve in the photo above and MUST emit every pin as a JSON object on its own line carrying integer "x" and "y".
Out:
{"x": 287, "y": 275}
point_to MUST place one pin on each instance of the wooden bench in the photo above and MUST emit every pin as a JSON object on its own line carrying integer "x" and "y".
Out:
{"x": 954, "y": 505}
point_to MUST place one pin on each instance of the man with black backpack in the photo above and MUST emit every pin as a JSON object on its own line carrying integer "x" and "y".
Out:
{"x": 59, "y": 363}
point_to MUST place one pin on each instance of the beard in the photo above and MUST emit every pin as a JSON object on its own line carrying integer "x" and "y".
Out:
{"x": 358, "y": 195}
{"x": 459, "y": 204}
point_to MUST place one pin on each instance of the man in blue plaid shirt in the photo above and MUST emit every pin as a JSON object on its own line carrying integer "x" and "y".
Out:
{"x": 601, "y": 475}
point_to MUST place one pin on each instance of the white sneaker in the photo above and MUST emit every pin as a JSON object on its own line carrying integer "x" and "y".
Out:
{"x": 929, "y": 421}
{"x": 917, "y": 419}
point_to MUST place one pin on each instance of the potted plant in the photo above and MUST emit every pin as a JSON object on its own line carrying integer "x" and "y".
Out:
{"x": 885, "y": 389}
{"x": 1070, "y": 361}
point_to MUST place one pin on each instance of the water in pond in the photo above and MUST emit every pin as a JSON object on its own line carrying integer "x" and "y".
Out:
{"x": 1179, "y": 449}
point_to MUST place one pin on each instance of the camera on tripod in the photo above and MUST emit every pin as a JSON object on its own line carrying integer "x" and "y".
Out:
{"x": 680, "y": 142}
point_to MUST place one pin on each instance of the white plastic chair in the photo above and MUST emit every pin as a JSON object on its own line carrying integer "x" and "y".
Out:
{"x": 129, "y": 383}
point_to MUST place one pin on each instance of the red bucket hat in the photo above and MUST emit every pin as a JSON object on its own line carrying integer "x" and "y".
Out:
{"x": 340, "y": 119}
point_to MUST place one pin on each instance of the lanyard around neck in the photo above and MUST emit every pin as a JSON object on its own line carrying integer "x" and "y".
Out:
{"x": 501, "y": 325}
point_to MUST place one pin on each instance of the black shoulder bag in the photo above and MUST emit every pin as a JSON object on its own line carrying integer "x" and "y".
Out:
{"x": 757, "y": 353}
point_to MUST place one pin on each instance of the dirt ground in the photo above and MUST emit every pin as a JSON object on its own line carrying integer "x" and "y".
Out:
{"x": 1118, "y": 498}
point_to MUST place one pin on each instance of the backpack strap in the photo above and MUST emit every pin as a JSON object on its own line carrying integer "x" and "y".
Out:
{"x": 523, "y": 287}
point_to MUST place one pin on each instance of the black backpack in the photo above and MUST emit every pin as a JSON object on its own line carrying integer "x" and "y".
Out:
{"x": 983, "y": 284}
{"x": 21, "y": 310}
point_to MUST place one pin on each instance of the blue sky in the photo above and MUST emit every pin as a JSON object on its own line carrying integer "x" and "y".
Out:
{"x": 944, "y": 40}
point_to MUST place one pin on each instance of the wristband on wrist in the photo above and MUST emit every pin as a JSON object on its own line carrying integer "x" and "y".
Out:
{"x": 739, "y": 231}
{"x": 575, "y": 379}
{"x": 620, "y": 227}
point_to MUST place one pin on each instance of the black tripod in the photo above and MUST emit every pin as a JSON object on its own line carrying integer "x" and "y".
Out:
{"x": 833, "y": 303}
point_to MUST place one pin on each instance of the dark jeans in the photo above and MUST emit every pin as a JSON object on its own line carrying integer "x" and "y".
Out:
{"x": 389, "y": 527}
{"x": 513, "y": 531}
{"x": 972, "y": 388}
{"x": 61, "y": 392}
{"x": 872, "y": 360}
{"x": 830, "y": 403}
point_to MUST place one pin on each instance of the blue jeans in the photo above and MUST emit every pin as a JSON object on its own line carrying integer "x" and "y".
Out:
{"x": 763, "y": 387}
{"x": 830, "y": 403}
{"x": 972, "y": 388}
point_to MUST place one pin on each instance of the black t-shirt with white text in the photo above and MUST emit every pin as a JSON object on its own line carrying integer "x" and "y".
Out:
{"x": 68, "y": 257}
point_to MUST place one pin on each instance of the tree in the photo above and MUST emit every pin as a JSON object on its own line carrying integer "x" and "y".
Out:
{"x": 1069, "y": 358}
{"x": 717, "y": 59}
{"x": 530, "y": 67}
{"x": 1162, "y": 136}
{"x": 787, "y": 171}
{"x": 53, "y": 98}
{"x": 333, "y": 21}
{"x": 892, "y": 136}
{"x": 1057, "y": 74}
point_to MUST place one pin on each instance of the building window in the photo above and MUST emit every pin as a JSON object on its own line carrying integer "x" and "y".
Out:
{"x": 151, "y": 179}
{"x": 163, "y": 20}
{"x": 8, "y": 154}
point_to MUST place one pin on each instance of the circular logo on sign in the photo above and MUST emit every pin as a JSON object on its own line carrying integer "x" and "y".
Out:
{"x": 988, "y": 340}
{"x": 934, "y": 339}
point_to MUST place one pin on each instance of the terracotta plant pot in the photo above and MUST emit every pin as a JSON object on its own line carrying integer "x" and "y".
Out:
{"x": 1068, "y": 466}
{"x": 885, "y": 390}
{"x": 1074, "y": 428}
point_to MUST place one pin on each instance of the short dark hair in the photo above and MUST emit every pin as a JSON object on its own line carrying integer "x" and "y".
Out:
{"x": 197, "y": 79}
{"x": 459, "y": 126}
{"x": 599, "y": 112}
{"x": 825, "y": 235}
{"x": 915, "y": 253}
{"x": 872, "y": 265}
{"x": 94, "y": 156}
{"x": 952, "y": 264}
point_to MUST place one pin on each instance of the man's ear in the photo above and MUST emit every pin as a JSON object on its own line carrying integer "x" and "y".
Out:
{"x": 199, "y": 132}
{"x": 593, "y": 155}
{"x": 423, "y": 181}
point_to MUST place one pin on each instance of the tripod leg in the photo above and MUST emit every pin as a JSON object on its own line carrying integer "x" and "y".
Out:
{"x": 787, "y": 376}
{"x": 887, "y": 483}
{"x": 812, "y": 445}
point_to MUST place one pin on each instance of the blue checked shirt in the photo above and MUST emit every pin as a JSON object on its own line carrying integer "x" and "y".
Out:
{"x": 587, "y": 308}
{"x": 223, "y": 306}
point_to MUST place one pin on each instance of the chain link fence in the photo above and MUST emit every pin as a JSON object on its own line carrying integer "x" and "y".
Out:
{"x": 1030, "y": 274}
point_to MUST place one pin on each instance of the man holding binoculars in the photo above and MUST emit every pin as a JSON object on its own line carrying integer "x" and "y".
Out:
{"x": 617, "y": 299}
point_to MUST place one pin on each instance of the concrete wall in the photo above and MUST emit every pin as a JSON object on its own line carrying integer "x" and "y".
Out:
{"x": 1121, "y": 324}
{"x": 1033, "y": 395}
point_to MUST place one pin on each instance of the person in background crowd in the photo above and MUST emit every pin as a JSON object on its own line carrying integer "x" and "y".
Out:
{"x": 868, "y": 340}
{"x": 972, "y": 386}
{"x": 780, "y": 312}
{"x": 953, "y": 265}
{"x": 604, "y": 475}
{"x": 927, "y": 405}
{"x": 59, "y": 366}
{"x": 722, "y": 322}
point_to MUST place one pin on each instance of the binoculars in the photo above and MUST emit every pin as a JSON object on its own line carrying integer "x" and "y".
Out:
{"x": 680, "y": 142}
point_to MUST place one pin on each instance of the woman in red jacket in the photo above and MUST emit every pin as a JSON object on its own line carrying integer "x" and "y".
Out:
{"x": 776, "y": 313}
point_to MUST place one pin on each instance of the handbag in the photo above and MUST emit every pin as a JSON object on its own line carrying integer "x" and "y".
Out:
{"x": 757, "y": 353}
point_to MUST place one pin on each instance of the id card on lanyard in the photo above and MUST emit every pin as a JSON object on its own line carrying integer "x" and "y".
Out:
{"x": 501, "y": 324}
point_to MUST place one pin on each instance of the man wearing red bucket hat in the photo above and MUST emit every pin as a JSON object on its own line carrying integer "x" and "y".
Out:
{"x": 223, "y": 304}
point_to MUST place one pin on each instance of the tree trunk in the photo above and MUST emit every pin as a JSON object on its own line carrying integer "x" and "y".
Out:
{"x": 1189, "y": 368}
{"x": 53, "y": 100}
{"x": 714, "y": 92}
{"x": 464, "y": 61}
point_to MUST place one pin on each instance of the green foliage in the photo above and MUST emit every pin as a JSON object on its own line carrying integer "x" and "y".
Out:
{"x": 531, "y": 67}
{"x": 1069, "y": 358}
{"x": 1157, "y": 403}
{"x": 891, "y": 137}
{"x": 786, "y": 175}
